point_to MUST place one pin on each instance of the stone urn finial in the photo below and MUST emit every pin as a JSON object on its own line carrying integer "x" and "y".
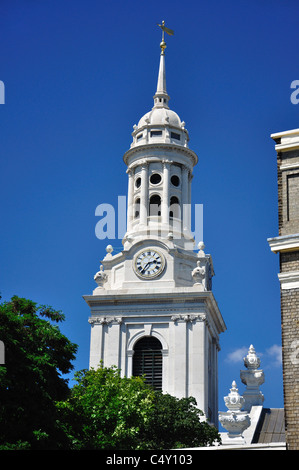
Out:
{"x": 252, "y": 377}
{"x": 234, "y": 401}
{"x": 234, "y": 420}
{"x": 252, "y": 361}
{"x": 201, "y": 247}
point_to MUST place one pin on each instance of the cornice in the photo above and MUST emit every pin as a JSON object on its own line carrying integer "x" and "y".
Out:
{"x": 284, "y": 243}
{"x": 289, "y": 280}
{"x": 172, "y": 147}
{"x": 287, "y": 140}
{"x": 175, "y": 298}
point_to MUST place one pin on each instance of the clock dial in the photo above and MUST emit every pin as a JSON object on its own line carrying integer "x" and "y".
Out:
{"x": 149, "y": 263}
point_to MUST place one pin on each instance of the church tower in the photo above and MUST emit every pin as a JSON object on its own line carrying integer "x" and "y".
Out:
{"x": 153, "y": 311}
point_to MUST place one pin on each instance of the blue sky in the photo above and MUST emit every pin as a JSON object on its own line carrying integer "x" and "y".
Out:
{"x": 77, "y": 76}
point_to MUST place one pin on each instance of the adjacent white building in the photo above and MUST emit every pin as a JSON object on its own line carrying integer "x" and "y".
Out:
{"x": 154, "y": 311}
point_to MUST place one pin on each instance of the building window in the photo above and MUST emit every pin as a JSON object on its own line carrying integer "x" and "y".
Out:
{"x": 147, "y": 361}
{"x": 176, "y": 136}
{"x": 174, "y": 209}
{"x": 292, "y": 187}
{"x": 155, "y": 178}
{"x": 156, "y": 133}
{"x": 155, "y": 205}
{"x": 138, "y": 182}
{"x": 137, "y": 208}
{"x": 139, "y": 137}
{"x": 175, "y": 180}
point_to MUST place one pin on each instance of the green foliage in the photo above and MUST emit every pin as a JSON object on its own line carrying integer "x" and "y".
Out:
{"x": 106, "y": 411}
{"x": 36, "y": 353}
{"x": 102, "y": 411}
{"x": 175, "y": 423}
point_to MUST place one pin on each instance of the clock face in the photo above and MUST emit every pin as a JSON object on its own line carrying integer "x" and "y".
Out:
{"x": 149, "y": 264}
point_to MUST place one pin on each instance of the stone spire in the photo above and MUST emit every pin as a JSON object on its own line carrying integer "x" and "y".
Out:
{"x": 161, "y": 97}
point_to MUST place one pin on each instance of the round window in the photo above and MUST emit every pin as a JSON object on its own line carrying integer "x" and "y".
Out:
{"x": 175, "y": 180}
{"x": 155, "y": 178}
{"x": 138, "y": 182}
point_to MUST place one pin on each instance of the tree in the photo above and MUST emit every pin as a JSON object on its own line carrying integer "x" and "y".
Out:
{"x": 106, "y": 411}
{"x": 176, "y": 423}
{"x": 36, "y": 354}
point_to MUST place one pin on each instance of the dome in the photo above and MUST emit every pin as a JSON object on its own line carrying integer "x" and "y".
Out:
{"x": 160, "y": 116}
{"x": 161, "y": 125}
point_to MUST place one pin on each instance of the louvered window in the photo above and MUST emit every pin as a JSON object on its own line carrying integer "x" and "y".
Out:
{"x": 147, "y": 360}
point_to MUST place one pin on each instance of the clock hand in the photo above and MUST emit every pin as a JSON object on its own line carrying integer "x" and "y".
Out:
{"x": 145, "y": 267}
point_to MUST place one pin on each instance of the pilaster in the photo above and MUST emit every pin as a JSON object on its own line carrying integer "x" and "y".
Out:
{"x": 130, "y": 212}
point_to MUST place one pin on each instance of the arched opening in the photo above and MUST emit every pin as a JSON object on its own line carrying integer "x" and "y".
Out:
{"x": 147, "y": 360}
{"x": 155, "y": 205}
{"x": 174, "y": 209}
{"x": 137, "y": 208}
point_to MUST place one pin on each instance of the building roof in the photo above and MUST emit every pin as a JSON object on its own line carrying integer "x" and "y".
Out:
{"x": 271, "y": 426}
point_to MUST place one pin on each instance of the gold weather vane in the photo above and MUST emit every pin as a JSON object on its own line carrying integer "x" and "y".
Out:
{"x": 170, "y": 32}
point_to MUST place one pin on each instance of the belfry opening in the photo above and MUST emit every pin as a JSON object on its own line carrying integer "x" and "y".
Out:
{"x": 147, "y": 361}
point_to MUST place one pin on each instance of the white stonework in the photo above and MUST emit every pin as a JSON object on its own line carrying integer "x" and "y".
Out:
{"x": 287, "y": 140}
{"x": 284, "y": 243}
{"x": 245, "y": 413}
{"x": 234, "y": 420}
{"x": 253, "y": 378}
{"x": 158, "y": 286}
{"x": 289, "y": 280}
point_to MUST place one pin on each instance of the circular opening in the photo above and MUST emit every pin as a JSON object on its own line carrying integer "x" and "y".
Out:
{"x": 138, "y": 183}
{"x": 175, "y": 180}
{"x": 155, "y": 178}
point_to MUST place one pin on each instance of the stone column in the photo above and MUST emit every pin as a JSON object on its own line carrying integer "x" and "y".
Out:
{"x": 189, "y": 202}
{"x": 165, "y": 196}
{"x": 144, "y": 194}
{"x": 130, "y": 214}
{"x": 185, "y": 197}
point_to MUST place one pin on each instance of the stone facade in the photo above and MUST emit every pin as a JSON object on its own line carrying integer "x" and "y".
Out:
{"x": 287, "y": 245}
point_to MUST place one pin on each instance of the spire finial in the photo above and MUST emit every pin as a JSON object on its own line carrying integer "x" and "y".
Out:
{"x": 166, "y": 30}
{"x": 161, "y": 97}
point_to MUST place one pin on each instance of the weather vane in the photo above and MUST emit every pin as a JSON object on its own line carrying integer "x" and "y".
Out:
{"x": 166, "y": 30}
